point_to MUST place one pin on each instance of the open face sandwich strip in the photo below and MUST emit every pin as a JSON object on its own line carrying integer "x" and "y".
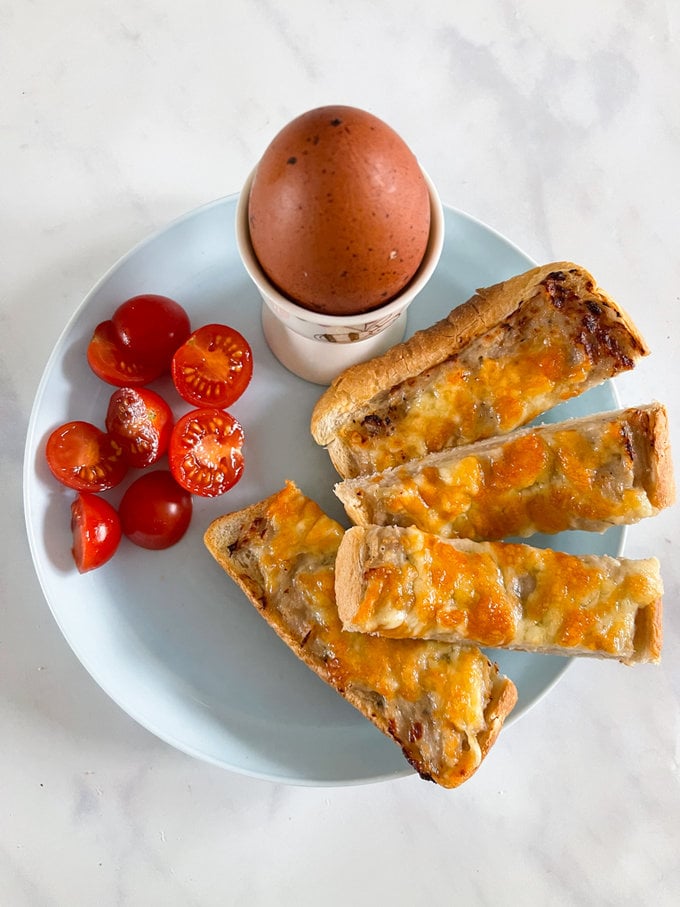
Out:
{"x": 404, "y": 583}
{"x": 444, "y": 705}
{"x": 493, "y": 364}
{"x": 590, "y": 473}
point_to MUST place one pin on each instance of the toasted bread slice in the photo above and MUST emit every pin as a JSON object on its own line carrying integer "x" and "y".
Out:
{"x": 444, "y": 705}
{"x": 497, "y": 361}
{"x": 404, "y": 583}
{"x": 590, "y": 473}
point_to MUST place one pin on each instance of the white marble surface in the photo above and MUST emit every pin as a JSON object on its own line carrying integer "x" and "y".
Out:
{"x": 559, "y": 125}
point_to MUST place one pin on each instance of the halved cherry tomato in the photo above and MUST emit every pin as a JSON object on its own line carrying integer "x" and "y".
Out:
{"x": 206, "y": 452}
{"x": 154, "y": 511}
{"x": 213, "y": 367}
{"x": 111, "y": 361}
{"x": 151, "y": 328}
{"x": 96, "y": 531}
{"x": 83, "y": 457}
{"x": 141, "y": 421}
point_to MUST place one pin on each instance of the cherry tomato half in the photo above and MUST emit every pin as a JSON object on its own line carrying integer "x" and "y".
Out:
{"x": 213, "y": 367}
{"x": 154, "y": 511}
{"x": 151, "y": 328}
{"x": 96, "y": 531}
{"x": 206, "y": 452}
{"x": 83, "y": 457}
{"x": 141, "y": 422}
{"x": 114, "y": 363}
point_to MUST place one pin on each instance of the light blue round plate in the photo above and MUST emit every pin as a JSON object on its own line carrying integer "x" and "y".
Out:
{"x": 166, "y": 634}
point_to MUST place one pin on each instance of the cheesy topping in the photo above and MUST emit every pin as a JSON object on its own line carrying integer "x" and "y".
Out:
{"x": 553, "y": 347}
{"x": 418, "y": 585}
{"x": 434, "y": 694}
{"x": 583, "y": 475}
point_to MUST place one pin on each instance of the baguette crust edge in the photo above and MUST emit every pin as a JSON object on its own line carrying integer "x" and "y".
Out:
{"x": 349, "y": 574}
{"x": 661, "y": 488}
{"x": 648, "y": 639}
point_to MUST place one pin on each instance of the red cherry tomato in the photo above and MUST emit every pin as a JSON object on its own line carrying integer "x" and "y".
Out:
{"x": 141, "y": 422}
{"x": 213, "y": 367}
{"x": 154, "y": 511}
{"x": 83, "y": 457}
{"x": 114, "y": 363}
{"x": 206, "y": 452}
{"x": 96, "y": 531}
{"x": 151, "y": 328}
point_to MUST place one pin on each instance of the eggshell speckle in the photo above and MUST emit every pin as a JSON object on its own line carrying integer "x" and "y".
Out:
{"x": 339, "y": 211}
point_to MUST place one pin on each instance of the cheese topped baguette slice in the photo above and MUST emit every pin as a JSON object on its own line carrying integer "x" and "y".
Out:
{"x": 497, "y": 361}
{"x": 443, "y": 704}
{"x": 404, "y": 583}
{"x": 590, "y": 473}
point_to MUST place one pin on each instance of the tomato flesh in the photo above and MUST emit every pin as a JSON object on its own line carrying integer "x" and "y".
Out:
{"x": 154, "y": 511}
{"x": 141, "y": 422}
{"x": 85, "y": 458}
{"x": 213, "y": 367}
{"x": 113, "y": 363}
{"x": 206, "y": 452}
{"x": 151, "y": 327}
{"x": 96, "y": 531}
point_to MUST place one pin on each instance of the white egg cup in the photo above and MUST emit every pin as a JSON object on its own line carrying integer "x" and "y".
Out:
{"x": 318, "y": 347}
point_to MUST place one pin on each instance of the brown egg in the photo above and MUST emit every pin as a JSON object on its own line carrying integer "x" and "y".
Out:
{"x": 339, "y": 211}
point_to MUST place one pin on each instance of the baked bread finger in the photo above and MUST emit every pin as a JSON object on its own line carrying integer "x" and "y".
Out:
{"x": 444, "y": 705}
{"x": 403, "y": 583}
{"x": 590, "y": 473}
{"x": 497, "y": 361}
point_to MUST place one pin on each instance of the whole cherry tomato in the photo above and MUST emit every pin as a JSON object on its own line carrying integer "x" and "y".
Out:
{"x": 206, "y": 452}
{"x": 154, "y": 511}
{"x": 111, "y": 361}
{"x": 151, "y": 328}
{"x": 96, "y": 531}
{"x": 83, "y": 457}
{"x": 213, "y": 367}
{"x": 141, "y": 422}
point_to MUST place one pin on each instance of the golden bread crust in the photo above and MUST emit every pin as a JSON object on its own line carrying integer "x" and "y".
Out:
{"x": 660, "y": 475}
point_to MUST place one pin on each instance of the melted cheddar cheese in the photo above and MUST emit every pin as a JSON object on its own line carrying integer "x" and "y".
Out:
{"x": 417, "y": 585}
{"x": 434, "y": 694}
{"x": 550, "y": 349}
{"x": 555, "y": 477}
